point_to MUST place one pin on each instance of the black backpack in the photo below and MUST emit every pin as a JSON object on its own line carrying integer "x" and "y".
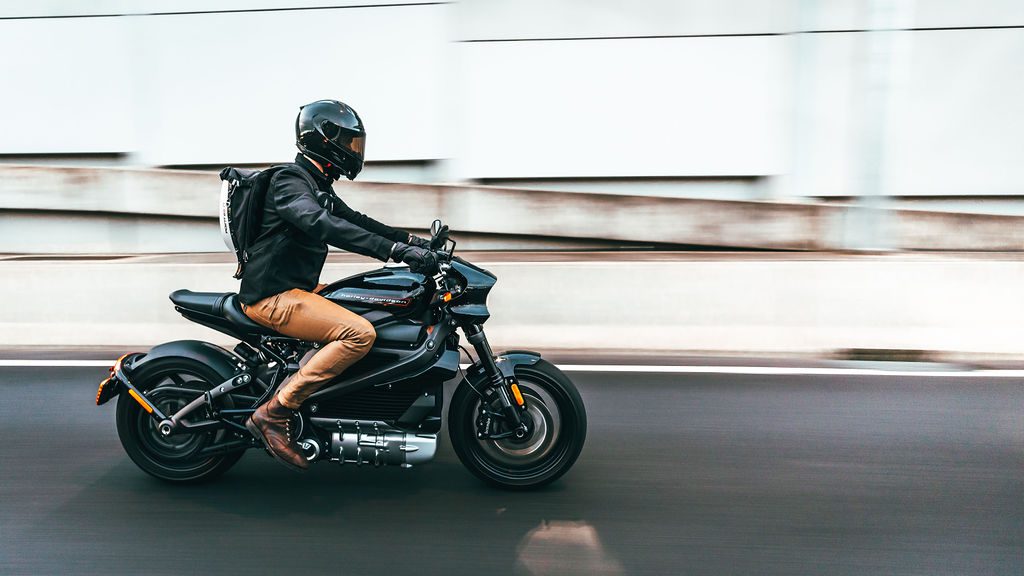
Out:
{"x": 243, "y": 194}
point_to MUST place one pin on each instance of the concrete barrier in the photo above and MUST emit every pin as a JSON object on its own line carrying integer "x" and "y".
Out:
{"x": 746, "y": 303}
{"x": 103, "y": 210}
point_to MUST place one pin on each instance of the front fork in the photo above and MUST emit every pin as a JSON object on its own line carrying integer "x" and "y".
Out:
{"x": 513, "y": 406}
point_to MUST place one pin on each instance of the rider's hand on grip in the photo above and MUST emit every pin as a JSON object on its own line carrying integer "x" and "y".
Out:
{"x": 419, "y": 260}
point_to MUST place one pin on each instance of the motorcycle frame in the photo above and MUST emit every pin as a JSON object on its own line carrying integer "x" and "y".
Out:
{"x": 435, "y": 360}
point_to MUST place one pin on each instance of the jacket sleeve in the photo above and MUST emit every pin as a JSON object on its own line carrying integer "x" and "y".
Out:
{"x": 365, "y": 222}
{"x": 296, "y": 203}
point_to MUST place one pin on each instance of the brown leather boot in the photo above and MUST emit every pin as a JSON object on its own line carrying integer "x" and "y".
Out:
{"x": 271, "y": 423}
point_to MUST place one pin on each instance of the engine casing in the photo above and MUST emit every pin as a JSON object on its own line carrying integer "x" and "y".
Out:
{"x": 378, "y": 444}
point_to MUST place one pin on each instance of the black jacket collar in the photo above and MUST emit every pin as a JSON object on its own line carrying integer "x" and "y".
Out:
{"x": 322, "y": 180}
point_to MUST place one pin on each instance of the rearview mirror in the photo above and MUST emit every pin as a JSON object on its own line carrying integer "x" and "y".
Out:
{"x": 435, "y": 227}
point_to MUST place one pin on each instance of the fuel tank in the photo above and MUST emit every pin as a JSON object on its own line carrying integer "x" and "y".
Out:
{"x": 393, "y": 299}
{"x": 392, "y": 289}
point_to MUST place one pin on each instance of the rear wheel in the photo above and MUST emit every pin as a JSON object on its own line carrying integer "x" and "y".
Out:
{"x": 170, "y": 384}
{"x": 559, "y": 430}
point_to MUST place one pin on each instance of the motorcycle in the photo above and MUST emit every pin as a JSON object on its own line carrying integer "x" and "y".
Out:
{"x": 514, "y": 420}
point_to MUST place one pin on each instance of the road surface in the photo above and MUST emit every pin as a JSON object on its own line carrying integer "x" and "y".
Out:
{"x": 682, "y": 474}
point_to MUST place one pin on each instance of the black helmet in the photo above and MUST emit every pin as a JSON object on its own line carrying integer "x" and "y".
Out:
{"x": 331, "y": 133}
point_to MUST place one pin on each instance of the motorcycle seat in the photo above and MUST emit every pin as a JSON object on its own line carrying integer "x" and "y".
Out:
{"x": 220, "y": 304}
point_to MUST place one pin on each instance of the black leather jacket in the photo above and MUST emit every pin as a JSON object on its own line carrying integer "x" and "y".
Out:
{"x": 298, "y": 224}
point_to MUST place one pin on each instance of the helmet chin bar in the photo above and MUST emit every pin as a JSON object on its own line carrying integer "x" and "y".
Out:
{"x": 332, "y": 169}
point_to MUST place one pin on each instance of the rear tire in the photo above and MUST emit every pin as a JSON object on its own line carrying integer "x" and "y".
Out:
{"x": 559, "y": 431}
{"x": 171, "y": 459}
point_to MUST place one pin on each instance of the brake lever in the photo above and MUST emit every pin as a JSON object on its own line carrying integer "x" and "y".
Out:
{"x": 441, "y": 278}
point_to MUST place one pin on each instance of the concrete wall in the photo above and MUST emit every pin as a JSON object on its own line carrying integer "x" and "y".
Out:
{"x": 807, "y": 305}
{"x": 84, "y": 210}
{"x": 526, "y": 89}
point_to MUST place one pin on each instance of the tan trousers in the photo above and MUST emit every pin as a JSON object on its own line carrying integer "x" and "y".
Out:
{"x": 346, "y": 336}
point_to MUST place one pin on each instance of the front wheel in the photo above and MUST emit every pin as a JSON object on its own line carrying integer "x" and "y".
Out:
{"x": 559, "y": 430}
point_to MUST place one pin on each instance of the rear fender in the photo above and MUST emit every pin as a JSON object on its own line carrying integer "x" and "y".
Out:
{"x": 224, "y": 363}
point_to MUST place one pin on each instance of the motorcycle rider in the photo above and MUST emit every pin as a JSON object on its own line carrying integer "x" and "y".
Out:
{"x": 280, "y": 284}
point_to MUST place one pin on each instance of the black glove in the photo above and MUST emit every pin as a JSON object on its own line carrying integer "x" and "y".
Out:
{"x": 419, "y": 242}
{"x": 419, "y": 260}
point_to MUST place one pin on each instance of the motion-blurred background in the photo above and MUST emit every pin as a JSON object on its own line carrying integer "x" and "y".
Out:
{"x": 724, "y": 219}
{"x": 793, "y": 176}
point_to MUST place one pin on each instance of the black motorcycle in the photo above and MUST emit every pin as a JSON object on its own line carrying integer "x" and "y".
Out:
{"x": 515, "y": 420}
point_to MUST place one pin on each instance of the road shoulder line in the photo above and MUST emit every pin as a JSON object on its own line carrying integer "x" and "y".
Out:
{"x": 648, "y": 369}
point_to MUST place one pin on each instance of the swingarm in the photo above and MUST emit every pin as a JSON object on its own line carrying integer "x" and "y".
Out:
{"x": 178, "y": 423}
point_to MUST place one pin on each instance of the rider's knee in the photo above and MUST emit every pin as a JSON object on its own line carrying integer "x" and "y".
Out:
{"x": 363, "y": 334}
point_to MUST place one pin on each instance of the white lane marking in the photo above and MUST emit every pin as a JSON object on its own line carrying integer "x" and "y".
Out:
{"x": 648, "y": 369}
{"x": 225, "y": 264}
{"x": 789, "y": 371}
{"x": 56, "y": 363}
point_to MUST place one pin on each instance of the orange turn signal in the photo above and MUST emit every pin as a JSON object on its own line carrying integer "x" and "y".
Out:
{"x": 517, "y": 394}
{"x": 447, "y": 297}
{"x": 145, "y": 405}
{"x": 99, "y": 392}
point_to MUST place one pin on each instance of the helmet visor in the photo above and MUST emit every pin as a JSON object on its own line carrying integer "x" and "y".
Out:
{"x": 354, "y": 142}
{"x": 357, "y": 144}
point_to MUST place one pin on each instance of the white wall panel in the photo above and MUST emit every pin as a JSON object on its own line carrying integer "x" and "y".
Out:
{"x": 519, "y": 19}
{"x": 826, "y": 115}
{"x": 960, "y": 123}
{"x": 516, "y": 19}
{"x": 65, "y": 86}
{"x": 210, "y": 88}
{"x": 218, "y": 95}
{"x": 956, "y": 122}
{"x": 953, "y": 13}
{"x": 855, "y": 14}
{"x": 39, "y": 8}
{"x": 196, "y": 88}
{"x": 659, "y": 107}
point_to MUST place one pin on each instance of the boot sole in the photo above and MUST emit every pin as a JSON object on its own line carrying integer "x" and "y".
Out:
{"x": 255, "y": 431}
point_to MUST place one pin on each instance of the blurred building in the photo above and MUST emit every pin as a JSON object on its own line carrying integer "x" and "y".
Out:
{"x": 878, "y": 103}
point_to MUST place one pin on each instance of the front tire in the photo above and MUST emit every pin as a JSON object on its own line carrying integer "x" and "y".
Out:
{"x": 173, "y": 458}
{"x": 559, "y": 431}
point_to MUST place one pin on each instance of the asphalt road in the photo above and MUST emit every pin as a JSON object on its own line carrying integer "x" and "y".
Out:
{"x": 682, "y": 474}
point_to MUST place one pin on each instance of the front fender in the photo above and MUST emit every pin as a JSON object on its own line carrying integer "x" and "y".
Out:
{"x": 507, "y": 363}
{"x": 220, "y": 360}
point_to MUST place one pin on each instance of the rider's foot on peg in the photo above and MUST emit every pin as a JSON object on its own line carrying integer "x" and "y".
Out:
{"x": 271, "y": 423}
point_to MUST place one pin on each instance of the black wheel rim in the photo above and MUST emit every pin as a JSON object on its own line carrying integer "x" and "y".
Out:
{"x": 553, "y": 417}
{"x": 171, "y": 390}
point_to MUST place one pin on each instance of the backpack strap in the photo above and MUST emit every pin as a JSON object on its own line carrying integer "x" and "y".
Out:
{"x": 294, "y": 168}
{"x": 291, "y": 168}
